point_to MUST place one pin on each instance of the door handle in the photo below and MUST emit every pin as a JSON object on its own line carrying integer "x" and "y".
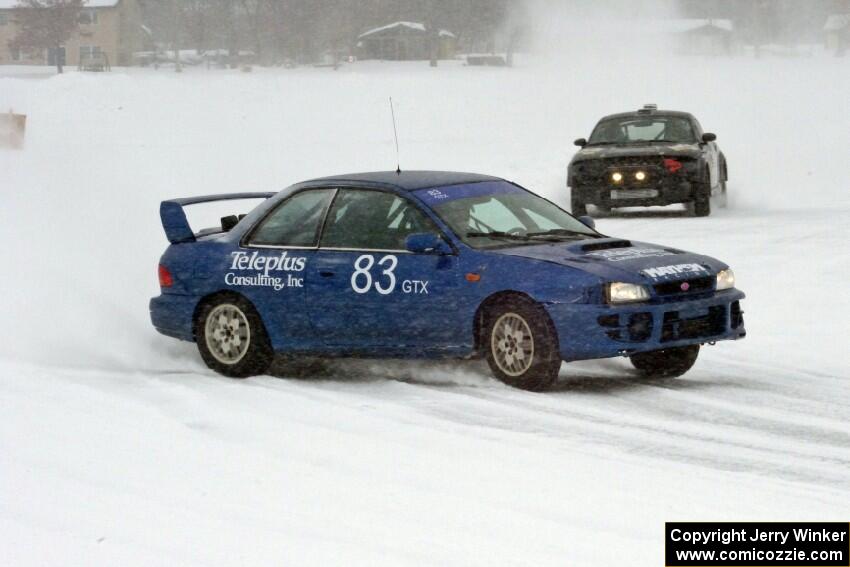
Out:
{"x": 327, "y": 273}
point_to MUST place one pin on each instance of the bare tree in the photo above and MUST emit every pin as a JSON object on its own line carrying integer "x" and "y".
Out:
{"x": 46, "y": 24}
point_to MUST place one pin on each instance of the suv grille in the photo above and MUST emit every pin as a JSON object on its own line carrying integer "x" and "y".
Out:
{"x": 635, "y": 161}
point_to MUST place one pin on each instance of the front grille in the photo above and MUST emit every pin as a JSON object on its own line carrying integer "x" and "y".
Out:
{"x": 694, "y": 285}
{"x": 640, "y": 327}
{"x": 598, "y": 171}
{"x": 635, "y": 328}
{"x": 634, "y": 161}
{"x": 711, "y": 324}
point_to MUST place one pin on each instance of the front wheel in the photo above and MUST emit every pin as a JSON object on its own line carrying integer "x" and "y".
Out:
{"x": 521, "y": 345}
{"x": 666, "y": 363}
{"x": 231, "y": 337}
{"x": 701, "y": 205}
{"x": 577, "y": 204}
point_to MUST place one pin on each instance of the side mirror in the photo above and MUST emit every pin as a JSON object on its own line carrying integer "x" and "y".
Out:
{"x": 709, "y": 137}
{"x": 587, "y": 221}
{"x": 581, "y": 142}
{"x": 427, "y": 243}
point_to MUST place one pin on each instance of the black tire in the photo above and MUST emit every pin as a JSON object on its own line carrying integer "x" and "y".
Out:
{"x": 702, "y": 201}
{"x": 215, "y": 350}
{"x": 542, "y": 366}
{"x": 666, "y": 363}
{"x": 602, "y": 211}
{"x": 577, "y": 204}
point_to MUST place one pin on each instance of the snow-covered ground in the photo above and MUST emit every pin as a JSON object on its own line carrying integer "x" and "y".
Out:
{"x": 118, "y": 447}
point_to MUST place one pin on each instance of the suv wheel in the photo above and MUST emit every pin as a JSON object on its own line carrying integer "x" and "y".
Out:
{"x": 722, "y": 198}
{"x": 701, "y": 205}
{"x": 577, "y": 204}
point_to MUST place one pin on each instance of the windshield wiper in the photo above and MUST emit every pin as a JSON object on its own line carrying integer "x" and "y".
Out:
{"x": 562, "y": 232}
{"x": 497, "y": 234}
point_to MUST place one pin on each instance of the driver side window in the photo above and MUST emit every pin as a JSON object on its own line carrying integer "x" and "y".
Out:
{"x": 372, "y": 220}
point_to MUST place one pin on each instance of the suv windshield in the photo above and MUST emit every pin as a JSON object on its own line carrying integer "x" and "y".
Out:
{"x": 498, "y": 213}
{"x": 643, "y": 129}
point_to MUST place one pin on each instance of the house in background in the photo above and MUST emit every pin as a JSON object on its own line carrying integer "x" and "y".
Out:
{"x": 703, "y": 37}
{"x": 404, "y": 41}
{"x": 837, "y": 30}
{"x": 109, "y": 29}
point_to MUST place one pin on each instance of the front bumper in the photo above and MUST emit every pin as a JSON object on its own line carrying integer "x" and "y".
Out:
{"x": 602, "y": 331}
{"x": 667, "y": 194}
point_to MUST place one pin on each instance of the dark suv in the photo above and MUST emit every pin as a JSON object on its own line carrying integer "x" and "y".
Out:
{"x": 644, "y": 158}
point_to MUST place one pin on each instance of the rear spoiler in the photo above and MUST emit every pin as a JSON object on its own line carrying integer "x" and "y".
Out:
{"x": 174, "y": 219}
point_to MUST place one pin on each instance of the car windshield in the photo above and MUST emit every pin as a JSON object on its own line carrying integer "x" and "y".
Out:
{"x": 643, "y": 129}
{"x": 497, "y": 214}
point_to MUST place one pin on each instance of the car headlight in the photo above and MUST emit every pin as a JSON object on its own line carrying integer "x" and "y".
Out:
{"x": 725, "y": 279}
{"x": 620, "y": 292}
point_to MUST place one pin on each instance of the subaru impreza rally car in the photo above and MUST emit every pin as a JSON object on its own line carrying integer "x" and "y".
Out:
{"x": 434, "y": 264}
{"x": 648, "y": 157}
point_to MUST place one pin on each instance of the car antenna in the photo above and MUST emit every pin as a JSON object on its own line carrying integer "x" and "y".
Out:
{"x": 395, "y": 133}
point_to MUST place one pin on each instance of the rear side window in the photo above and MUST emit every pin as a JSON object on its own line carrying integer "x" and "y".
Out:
{"x": 361, "y": 219}
{"x": 295, "y": 222}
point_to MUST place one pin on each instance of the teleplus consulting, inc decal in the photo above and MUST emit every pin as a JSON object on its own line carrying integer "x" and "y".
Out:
{"x": 268, "y": 270}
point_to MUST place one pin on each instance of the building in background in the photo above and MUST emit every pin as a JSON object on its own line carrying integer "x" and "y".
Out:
{"x": 703, "y": 37}
{"x": 404, "y": 41}
{"x": 109, "y": 30}
{"x": 837, "y": 30}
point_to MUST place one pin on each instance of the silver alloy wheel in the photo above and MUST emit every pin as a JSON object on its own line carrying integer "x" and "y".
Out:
{"x": 512, "y": 344}
{"x": 227, "y": 333}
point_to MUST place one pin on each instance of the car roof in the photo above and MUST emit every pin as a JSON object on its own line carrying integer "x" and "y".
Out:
{"x": 405, "y": 180}
{"x": 639, "y": 113}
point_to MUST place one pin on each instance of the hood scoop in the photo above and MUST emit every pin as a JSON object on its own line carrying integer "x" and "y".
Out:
{"x": 607, "y": 244}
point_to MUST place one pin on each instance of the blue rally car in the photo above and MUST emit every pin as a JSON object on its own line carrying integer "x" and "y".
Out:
{"x": 425, "y": 264}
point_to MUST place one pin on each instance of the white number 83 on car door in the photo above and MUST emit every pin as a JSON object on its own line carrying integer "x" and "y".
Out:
{"x": 371, "y": 284}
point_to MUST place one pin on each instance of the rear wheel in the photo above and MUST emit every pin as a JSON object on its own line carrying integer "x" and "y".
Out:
{"x": 722, "y": 198}
{"x": 521, "y": 345}
{"x": 666, "y": 363}
{"x": 231, "y": 337}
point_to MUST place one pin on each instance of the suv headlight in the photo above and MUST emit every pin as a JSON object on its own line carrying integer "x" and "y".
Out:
{"x": 725, "y": 279}
{"x": 620, "y": 292}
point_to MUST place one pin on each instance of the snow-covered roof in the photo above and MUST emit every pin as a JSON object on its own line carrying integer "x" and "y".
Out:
{"x": 411, "y": 25}
{"x": 689, "y": 24}
{"x": 836, "y": 22}
{"x": 8, "y": 4}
